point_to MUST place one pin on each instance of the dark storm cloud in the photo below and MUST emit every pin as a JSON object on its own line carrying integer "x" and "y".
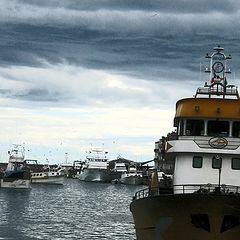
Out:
{"x": 183, "y": 6}
{"x": 42, "y": 95}
{"x": 152, "y": 40}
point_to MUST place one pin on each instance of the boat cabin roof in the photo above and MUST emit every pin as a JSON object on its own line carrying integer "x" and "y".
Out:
{"x": 208, "y": 108}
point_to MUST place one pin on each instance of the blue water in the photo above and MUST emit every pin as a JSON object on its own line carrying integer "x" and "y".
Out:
{"x": 76, "y": 210}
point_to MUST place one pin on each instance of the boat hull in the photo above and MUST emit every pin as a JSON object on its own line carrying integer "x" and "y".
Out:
{"x": 132, "y": 180}
{"x": 16, "y": 179}
{"x": 16, "y": 183}
{"x": 187, "y": 216}
{"x": 48, "y": 180}
{"x": 98, "y": 175}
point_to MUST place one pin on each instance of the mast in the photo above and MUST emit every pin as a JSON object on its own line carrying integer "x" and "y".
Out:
{"x": 218, "y": 70}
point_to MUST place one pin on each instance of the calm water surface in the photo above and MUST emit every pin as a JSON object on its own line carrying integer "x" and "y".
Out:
{"x": 76, "y": 210}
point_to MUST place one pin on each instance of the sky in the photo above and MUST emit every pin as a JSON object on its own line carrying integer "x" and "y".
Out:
{"x": 77, "y": 74}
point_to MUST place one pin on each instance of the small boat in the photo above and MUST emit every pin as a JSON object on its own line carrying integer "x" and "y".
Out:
{"x": 132, "y": 177}
{"x": 203, "y": 200}
{"x": 119, "y": 169}
{"x": 75, "y": 170}
{"x": 48, "y": 175}
{"x": 17, "y": 174}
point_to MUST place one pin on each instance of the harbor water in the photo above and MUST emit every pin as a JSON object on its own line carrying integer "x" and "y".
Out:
{"x": 75, "y": 210}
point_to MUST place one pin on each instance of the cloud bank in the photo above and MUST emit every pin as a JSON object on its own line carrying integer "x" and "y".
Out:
{"x": 99, "y": 57}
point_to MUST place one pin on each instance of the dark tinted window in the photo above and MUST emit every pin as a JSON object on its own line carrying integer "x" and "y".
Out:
{"x": 236, "y": 129}
{"x": 195, "y": 127}
{"x": 197, "y": 162}
{"x": 181, "y": 125}
{"x": 218, "y": 128}
{"x": 216, "y": 162}
{"x": 236, "y": 163}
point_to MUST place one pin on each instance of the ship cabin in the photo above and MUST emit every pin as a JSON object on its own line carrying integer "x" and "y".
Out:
{"x": 206, "y": 149}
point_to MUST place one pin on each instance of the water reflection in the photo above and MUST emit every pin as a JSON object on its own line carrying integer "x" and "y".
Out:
{"x": 13, "y": 205}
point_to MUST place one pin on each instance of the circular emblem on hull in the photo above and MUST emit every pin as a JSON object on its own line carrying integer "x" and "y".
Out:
{"x": 218, "y": 142}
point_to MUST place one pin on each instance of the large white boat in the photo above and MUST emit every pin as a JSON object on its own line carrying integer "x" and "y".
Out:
{"x": 48, "y": 175}
{"x": 204, "y": 200}
{"x": 96, "y": 167}
{"x": 17, "y": 174}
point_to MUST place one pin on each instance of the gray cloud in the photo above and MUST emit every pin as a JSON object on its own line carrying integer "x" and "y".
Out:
{"x": 38, "y": 95}
{"x": 160, "y": 41}
{"x": 182, "y": 6}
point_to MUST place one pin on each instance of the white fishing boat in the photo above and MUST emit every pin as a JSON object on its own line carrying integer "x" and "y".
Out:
{"x": 17, "y": 174}
{"x": 203, "y": 201}
{"x": 119, "y": 169}
{"x": 96, "y": 167}
{"x": 131, "y": 177}
{"x": 48, "y": 175}
{"x": 76, "y": 169}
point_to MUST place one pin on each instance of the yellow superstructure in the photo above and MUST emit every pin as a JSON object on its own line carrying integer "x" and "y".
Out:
{"x": 208, "y": 108}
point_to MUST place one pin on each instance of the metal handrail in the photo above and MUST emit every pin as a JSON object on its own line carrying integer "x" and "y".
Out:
{"x": 214, "y": 90}
{"x": 188, "y": 189}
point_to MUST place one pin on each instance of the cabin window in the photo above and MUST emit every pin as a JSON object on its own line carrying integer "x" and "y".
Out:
{"x": 181, "y": 127}
{"x": 195, "y": 127}
{"x": 236, "y": 163}
{"x": 216, "y": 162}
{"x": 236, "y": 129}
{"x": 197, "y": 162}
{"x": 218, "y": 128}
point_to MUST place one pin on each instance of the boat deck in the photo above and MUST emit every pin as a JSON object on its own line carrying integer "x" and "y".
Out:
{"x": 188, "y": 189}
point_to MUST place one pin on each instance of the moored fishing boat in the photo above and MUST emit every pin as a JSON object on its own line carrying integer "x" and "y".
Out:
{"x": 204, "y": 200}
{"x": 96, "y": 167}
{"x": 131, "y": 177}
{"x": 17, "y": 174}
{"x": 119, "y": 169}
{"x": 75, "y": 170}
{"x": 48, "y": 175}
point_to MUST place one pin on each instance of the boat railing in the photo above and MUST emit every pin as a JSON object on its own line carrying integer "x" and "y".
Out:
{"x": 230, "y": 90}
{"x": 188, "y": 189}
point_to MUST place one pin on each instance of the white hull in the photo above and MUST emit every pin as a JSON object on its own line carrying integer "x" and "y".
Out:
{"x": 97, "y": 175}
{"x": 49, "y": 180}
{"x": 19, "y": 183}
{"x": 54, "y": 176}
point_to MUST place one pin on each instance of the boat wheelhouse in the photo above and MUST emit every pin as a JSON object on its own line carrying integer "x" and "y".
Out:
{"x": 204, "y": 200}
